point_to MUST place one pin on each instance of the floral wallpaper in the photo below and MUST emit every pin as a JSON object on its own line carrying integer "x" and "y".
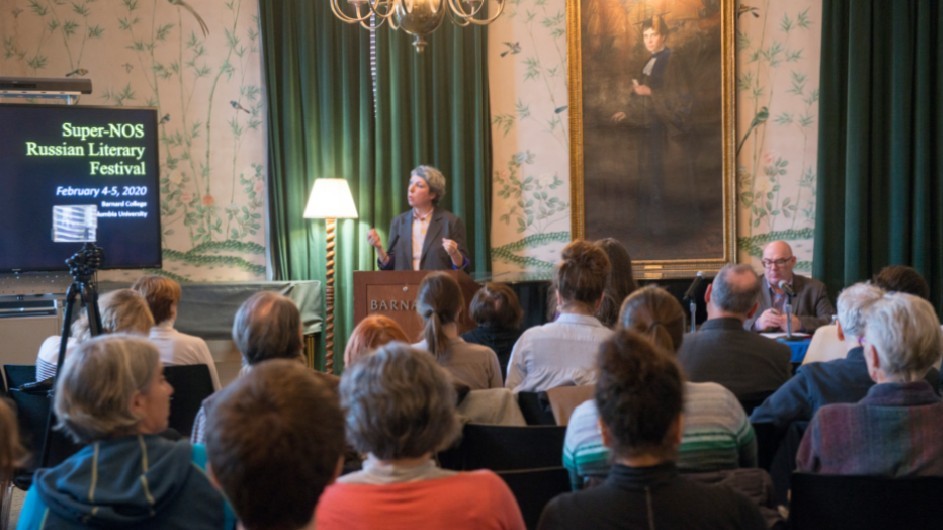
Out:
{"x": 778, "y": 47}
{"x": 777, "y": 52}
{"x": 198, "y": 62}
{"x": 531, "y": 194}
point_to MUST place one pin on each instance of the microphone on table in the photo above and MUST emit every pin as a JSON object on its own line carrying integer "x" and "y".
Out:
{"x": 786, "y": 287}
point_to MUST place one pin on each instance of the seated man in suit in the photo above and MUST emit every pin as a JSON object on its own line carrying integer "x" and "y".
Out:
{"x": 749, "y": 365}
{"x": 811, "y": 307}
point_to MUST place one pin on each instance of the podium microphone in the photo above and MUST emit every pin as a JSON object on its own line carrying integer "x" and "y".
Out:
{"x": 692, "y": 289}
{"x": 689, "y": 296}
{"x": 786, "y": 287}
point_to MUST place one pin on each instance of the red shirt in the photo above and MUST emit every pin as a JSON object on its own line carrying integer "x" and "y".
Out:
{"x": 476, "y": 500}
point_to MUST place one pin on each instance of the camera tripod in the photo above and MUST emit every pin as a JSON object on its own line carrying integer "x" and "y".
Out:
{"x": 82, "y": 266}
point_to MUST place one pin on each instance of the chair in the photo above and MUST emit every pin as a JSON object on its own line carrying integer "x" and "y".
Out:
{"x": 825, "y": 346}
{"x": 865, "y": 503}
{"x": 32, "y": 416}
{"x": 503, "y": 448}
{"x": 536, "y": 408}
{"x": 15, "y": 375}
{"x": 564, "y": 399}
{"x": 750, "y": 402}
{"x": 533, "y": 489}
{"x": 192, "y": 384}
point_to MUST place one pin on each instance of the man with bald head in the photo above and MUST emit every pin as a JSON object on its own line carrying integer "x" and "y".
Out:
{"x": 811, "y": 307}
{"x": 722, "y": 351}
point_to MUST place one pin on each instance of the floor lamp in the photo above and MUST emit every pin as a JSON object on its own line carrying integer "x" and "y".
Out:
{"x": 330, "y": 199}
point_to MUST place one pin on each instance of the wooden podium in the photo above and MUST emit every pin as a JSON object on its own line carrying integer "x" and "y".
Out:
{"x": 393, "y": 294}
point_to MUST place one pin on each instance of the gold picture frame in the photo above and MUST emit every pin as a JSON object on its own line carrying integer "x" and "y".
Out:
{"x": 660, "y": 175}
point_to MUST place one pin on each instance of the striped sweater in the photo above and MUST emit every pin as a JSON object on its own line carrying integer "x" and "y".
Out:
{"x": 717, "y": 435}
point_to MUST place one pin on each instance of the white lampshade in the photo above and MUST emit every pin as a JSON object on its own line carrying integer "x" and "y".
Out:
{"x": 330, "y": 198}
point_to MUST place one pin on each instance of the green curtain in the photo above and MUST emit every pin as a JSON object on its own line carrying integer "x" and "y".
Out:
{"x": 430, "y": 109}
{"x": 880, "y": 161}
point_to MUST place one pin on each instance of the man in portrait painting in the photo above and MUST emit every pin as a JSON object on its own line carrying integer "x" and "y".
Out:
{"x": 658, "y": 107}
{"x": 652, "y": 136}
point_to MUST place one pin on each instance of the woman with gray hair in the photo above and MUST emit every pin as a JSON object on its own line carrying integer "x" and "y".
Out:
{"x": 400, "y": 411}
{"x": 427, "y": 237}
{"x": 895, "y": 430}
{"x": 112, "y": 395}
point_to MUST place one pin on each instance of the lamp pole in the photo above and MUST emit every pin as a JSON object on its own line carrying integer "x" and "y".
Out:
{"x": 331, "y": 223}
{"x": 330, "y": 199}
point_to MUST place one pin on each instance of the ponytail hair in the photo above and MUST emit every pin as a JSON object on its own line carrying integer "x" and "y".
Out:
{"x": 655, "y": 313}
{"x": 439, "y": 303}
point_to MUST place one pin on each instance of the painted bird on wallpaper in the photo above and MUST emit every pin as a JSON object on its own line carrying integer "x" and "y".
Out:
{"x": 164, "y": 119}
{"x": 77, "y": 72}
{"x": 235, "y": 104}
{"x": 192, "y": 11}
{"x": 513, "y": 48}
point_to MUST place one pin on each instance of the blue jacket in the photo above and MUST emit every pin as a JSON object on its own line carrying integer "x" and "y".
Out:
{"x": 816, "y": 384}
{"x": 143, "y": 482}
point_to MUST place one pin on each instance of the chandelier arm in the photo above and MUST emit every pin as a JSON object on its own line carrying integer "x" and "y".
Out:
{"x": 375, "y": 7}
{"x": 458, "y": 12}
{"x": 459, "y": 20}
{"x": 339, "y": 13}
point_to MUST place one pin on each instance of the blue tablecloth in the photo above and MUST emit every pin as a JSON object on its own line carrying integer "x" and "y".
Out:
{"x": 798, "y": 347}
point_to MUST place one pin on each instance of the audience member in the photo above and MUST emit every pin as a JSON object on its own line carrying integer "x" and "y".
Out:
{"x": 274, "y": 441}
{"x": 639, "y": 396}
{"x": 839, "y": 381}
{"x": 400, "y": 411}
{"x": 163, "y": 297}
{"x": 811, "y": 307}
{"x": 902, "y": 279}
{"x": 562, "y": 352}
{"x": 498, "y": 313}
{"x": 895, "y": 429}
{"x": 266, "y": 326}
{"x": 716, "y": 432}
{"x": 440, "y": 303}
{"x": 121, "y": 311}
{"x": 371, "y": 333}
{"x": 619, "y": 284}
{"x": 112, "y": 395}
{"x": 749, "y": 365}
{"x": 12, "y": 453}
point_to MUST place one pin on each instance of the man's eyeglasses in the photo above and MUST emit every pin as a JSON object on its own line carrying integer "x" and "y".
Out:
{"x": 769, "y": 263}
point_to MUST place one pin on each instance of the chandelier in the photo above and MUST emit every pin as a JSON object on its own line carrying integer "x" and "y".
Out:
{"x": 416, "y": 17}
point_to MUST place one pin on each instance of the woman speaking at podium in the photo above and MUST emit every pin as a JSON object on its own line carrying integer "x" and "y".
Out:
{"x": 425, "y": 237}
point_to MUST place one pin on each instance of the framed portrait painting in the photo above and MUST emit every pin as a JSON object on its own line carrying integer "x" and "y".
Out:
{"x": 651, "y": 104}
